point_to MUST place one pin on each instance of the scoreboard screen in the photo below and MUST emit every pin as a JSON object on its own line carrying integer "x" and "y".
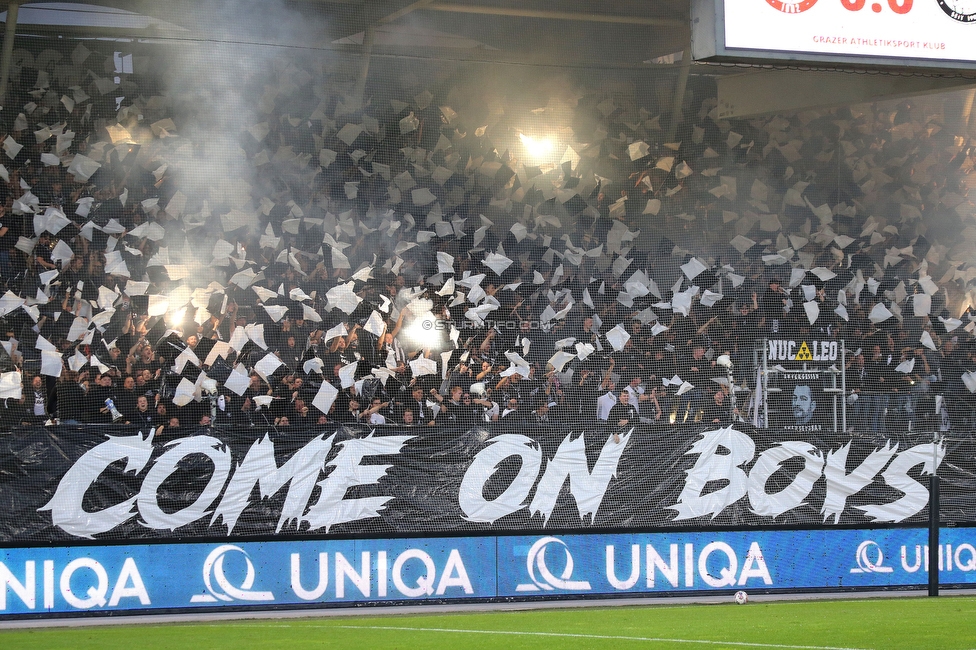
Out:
{"x": 889, "y": 33}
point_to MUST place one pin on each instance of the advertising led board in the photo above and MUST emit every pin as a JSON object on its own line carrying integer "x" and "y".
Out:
{"x": 890, "y": 33}
{"x": 45, "y": 580}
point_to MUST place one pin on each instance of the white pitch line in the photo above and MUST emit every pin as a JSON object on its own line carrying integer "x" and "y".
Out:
{"x": 567, "y": 635}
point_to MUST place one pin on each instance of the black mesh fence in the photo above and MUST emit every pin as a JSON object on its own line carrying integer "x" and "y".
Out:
{"x": 63, "y": 483}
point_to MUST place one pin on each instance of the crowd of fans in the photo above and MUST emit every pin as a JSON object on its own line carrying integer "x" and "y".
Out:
{"x": 398, "y": 264}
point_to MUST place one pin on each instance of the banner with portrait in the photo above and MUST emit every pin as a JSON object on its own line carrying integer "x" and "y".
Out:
{"x": 803, "y": 403}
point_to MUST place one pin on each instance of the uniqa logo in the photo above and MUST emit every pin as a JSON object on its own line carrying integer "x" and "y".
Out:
{"x": 864, "y": 562}
{"x": 536, "y": 560}
{"x": 213, "y": 571}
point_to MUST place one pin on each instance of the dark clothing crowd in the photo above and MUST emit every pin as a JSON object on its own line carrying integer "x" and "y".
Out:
{"x": 398, "y": 264}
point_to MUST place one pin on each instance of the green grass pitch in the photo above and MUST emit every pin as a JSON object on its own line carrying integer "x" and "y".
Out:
{"x": 912, "y": 623}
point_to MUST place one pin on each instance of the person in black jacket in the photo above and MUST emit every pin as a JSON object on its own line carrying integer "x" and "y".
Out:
{"x": 12, "y": 413}
{"x": 860, "y": 409}
{"x": 716, "y": 410}
{"x": 623, "y": 414}
{"x": 97, "y": 411}
{"x": 70, "y": 399}
{"x": 876, "y": 382}
{"x": 142, "y": 415}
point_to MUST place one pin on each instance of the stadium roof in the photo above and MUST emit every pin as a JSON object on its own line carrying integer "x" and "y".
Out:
{"x": 622, "y": 33}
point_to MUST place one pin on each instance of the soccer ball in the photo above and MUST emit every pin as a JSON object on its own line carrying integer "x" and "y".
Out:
{"x": 741, "y": 598}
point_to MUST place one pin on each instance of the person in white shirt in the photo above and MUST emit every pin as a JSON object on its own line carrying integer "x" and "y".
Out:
{"x": 638, "y": 395}
{"x": 605, "y": 403}
{"x": 636, "y": 392}
{"x": 40, "y": 397}
{"x": 375, "y": 417}
{"x": 374, "y": 411}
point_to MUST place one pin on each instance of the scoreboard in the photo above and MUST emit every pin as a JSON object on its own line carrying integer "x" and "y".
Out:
{"x": 888, "y": 33}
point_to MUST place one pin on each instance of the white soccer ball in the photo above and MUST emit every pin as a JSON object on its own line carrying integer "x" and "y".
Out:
{"x": 741, "y": 598}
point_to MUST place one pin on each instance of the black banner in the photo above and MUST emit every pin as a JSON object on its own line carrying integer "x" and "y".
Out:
{"x": 68, "y": 483}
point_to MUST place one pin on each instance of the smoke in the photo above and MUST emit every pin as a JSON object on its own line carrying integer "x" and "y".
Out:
{"x": 261, "y": 93}
{"x": 228, "y": 88}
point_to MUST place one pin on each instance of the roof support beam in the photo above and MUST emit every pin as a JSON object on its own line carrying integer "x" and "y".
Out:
{"x": 368, "y": 37}
{"x": 396, "y": 15}
{"x": 8, "y": 48}
{"x": 548, "y": 14}
{"x": 681, "y": 85}
{"x": 775, "y": 91}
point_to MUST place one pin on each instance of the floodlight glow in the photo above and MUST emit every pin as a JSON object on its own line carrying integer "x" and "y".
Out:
{"x": 420, "y": 332}
{"x": 175, "y": 319}
{"x": 538, "y": 148}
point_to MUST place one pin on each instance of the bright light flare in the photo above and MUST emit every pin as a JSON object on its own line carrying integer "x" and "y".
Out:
{"x": 175, "y": 319}
{"x": 538, "y": 148}
{"x": 420, "y": 332}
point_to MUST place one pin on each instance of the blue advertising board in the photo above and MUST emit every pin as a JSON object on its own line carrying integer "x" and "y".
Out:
{"x": 329, "y": 573}
{"x": 702, "y": 561}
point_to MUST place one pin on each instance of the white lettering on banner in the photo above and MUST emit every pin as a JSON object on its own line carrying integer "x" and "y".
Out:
{"x": 656, "y": 562}
{"x": 425, "y": 583}
{"x": 870, "y": 558}
{"x": 916, "y": 495}
{"x": 918, "y": 559}
{"x": 129, "y": 573}
{"x": 587, "y": 488}
{"x": 753, "y": 567}
{"x": 128, "y": 584}
{"x": 382, "y": 568}
{"x": 454, "y": 575}
{"x": 25, "y": 590}
{"x": 348, "y": 471}
{"x": 66, "y": 505}
{"x": 96, "y": 594}
{"x": 296, "y": 577}
{"x": 300, "y": 472}
{"x": 726, "y": 576}
{"x": 717, "y": 480}
{"x": 841, "y": 485}
{"x": 615, "y": 582}
{"x": 168, "y": 463}
{"x": 865, "y": 563}
{"x": 769, "y": 462}
{"x": 777, "y": 350}
{"x": 84, "y": 582}
{"x": 49, "y": 584}
{"x": 714, "y": 466}
{"x": 486, "y": 462}
{"x": 344, "y": 569}
{"x": 968, "y": 566}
